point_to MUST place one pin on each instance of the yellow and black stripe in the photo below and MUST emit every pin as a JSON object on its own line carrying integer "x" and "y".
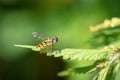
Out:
{"x": 44, "y": 44}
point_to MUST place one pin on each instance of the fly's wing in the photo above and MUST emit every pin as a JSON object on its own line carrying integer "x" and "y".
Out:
{"x": 39, "y": 36}
{"x": 49, "y": 49}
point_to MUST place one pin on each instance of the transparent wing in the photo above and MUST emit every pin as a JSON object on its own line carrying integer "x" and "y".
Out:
{"x": 39, "y": 36}
{"x": 49, "y": 49}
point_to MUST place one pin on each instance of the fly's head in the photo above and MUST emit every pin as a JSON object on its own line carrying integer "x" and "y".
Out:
{"x": 54, "y": 39}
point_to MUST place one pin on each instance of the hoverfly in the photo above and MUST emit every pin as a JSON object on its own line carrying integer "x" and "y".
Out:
{"x": 44, "y": 44}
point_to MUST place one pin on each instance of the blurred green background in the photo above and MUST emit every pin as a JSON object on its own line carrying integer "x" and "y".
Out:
{"x": 68, "y": 19}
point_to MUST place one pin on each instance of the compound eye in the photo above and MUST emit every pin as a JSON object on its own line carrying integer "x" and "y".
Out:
{"x": 55, "y": 39}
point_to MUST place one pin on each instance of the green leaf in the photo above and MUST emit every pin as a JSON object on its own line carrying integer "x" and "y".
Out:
{"x": 78, "y": 54}
{"x": 74, "y": 71}
{"x": 28, "y": 46}
{"x": 24, "y": 46}
{"x": 117, "y": 75}
{"x": 81, "y": 54}
{"x": 116, "y": 68}
{"x": 79, "y": 70}
{"x": 103, "y": 73}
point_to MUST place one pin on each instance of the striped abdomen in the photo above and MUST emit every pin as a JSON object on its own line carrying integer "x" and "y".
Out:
{"x": 44, "y": 44}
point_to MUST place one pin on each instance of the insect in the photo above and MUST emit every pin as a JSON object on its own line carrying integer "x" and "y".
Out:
{"x": 45, "y": 43}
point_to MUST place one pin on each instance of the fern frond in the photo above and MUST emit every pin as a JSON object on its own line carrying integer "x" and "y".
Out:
{"x": 117, "y": 77}
{"x": 24, "y": 46}
{"x": 85, "y": 69}
{"x": 81, "y": 54}
{"x": 28, "y": 46}
{"x": 113, "y": 23}
{"x": 78, "y": 54}
{"x": 79, "y": 70}
{"x": 103, "y": 73}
